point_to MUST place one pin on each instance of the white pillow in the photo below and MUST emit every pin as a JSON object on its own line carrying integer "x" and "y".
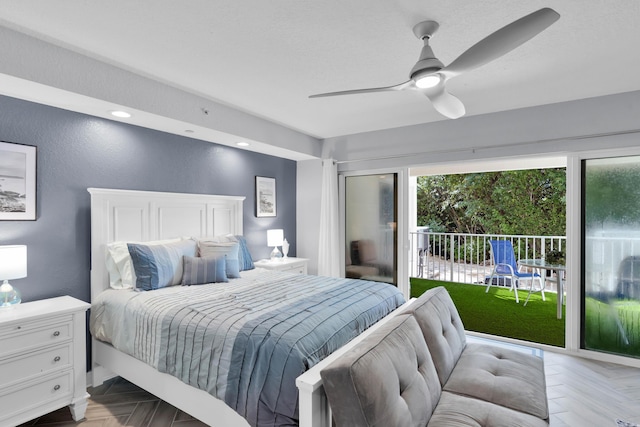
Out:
{"x": 119, "y": 265}
{"x": 226, "y": 238}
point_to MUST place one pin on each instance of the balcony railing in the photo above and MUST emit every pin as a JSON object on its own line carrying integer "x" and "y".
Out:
{"x": 466, "y": 258}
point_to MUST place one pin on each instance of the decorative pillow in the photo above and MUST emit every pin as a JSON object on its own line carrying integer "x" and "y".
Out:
{"x": 246, "y": 262}
{"x": 244, "y": 256}
{"x": 208, "y": 248}
{"x": 158, "y": 266}
{"x": 198, "y": 271}
{"x": 119, "y": 266}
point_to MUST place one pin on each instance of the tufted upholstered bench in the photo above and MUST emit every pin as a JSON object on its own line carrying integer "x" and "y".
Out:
{"x": 418, "y": 370}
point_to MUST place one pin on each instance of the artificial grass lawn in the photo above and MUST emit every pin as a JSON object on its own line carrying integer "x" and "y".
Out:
{"x": 497, "y": 313}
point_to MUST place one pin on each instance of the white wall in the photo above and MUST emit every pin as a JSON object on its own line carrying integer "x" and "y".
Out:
{"x": 546, "y": 130}
{"x": 309, "y": 186}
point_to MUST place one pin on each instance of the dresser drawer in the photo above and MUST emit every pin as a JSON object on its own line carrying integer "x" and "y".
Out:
{"x": 299, "y": 269}
{"x": 34, "y": 394}
{"x": 35, "y": 335}
{"x": 42, "y": 359}
{"x": 24, "y": 366}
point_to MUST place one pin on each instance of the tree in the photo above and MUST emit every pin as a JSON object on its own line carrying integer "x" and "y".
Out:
{"x": 510, "y": 202}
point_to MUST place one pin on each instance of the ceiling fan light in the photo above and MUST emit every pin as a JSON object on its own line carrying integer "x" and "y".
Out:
{"x": 428, "y": 81}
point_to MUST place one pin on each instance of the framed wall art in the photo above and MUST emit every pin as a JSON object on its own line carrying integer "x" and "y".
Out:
{"x": 17, "y": 181}
{"x": 265, "y": 196}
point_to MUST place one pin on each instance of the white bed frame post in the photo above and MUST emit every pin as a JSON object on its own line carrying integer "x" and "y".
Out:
{"x": 314, "y": 410}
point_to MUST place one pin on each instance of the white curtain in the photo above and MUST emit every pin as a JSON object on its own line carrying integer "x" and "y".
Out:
{"x": 329, "y": 241}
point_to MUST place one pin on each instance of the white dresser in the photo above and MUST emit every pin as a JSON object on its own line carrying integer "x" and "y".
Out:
{"x": 289, "y": 264}
{"x": 42, "y": 359}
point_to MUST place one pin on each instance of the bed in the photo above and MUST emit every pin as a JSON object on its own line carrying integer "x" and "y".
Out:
{"x": 139, "y": 216}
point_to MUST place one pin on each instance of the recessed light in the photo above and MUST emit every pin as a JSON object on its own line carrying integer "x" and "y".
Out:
{"x": 242, "y": 144}
{"x": 121, "y": 114}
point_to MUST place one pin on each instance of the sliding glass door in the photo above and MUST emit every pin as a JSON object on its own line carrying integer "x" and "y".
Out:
{"x": 371, "y": 232}
{"x": 611, "y": 255}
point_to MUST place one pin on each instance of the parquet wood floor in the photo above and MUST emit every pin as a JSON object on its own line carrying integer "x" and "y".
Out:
{"x": 118, "y": 403}
{"x": 582, "y": 393}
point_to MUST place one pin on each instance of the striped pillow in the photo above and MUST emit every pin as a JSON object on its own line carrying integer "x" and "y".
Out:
{"x": 209, "y": 248}
{"x": 121, "y": 272}
{"x": 158, "y": 266}
{"x": 198, "y": 271}
{"x": 246, "y": 262}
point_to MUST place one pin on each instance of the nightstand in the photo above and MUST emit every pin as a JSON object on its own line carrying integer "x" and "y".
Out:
{"x": 43, "y": 359}
{"x": 289, "y": 264}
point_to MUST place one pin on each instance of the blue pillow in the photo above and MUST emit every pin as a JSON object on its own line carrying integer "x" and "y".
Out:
{"x": 198, "y": 271}
{"x": 246, "y": 262}
{"x": 229, "y": 249}
{"x": 158, "y": 266}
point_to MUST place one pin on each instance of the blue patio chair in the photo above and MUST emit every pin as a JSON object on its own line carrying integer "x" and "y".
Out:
{"x": 506, "y": 266}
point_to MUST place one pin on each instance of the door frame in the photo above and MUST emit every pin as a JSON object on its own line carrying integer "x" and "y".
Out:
{"x": 575, "y": 256}
{"x": 402, "y": 244}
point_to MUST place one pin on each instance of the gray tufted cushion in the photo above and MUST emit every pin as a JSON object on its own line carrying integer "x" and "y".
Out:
{"x": 386, "y": 380}
{"x": 502, "y": 376}
{"x": 462, "y": 411}
{"x": 442, "y": 329}
{"x": 497, "y": 375}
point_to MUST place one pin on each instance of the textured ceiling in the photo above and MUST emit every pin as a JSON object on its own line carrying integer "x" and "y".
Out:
{"x": 266, "y": 57}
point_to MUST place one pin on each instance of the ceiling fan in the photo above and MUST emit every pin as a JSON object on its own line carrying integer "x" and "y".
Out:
{"x": 429, "y": 75}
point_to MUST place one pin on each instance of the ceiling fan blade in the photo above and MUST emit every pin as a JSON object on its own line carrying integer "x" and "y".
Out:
{"x": 401, "y": 86}
{"x": 445, "y": 103}
{"x": 502, "y": 41}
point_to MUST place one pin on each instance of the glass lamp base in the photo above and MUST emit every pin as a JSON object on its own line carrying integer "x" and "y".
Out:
{"x": 275, "y": 254}
{"x": 8, "y": 296}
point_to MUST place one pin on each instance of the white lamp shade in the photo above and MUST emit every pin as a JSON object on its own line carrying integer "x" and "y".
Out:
{"x": 275, "y": 237}
{"x": 13, "y": 262}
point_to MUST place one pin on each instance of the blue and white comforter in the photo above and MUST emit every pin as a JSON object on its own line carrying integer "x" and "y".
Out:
{"x": 245, "y": 341}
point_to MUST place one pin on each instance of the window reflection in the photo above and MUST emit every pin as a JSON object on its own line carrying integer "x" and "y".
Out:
{"x": 611, "y": 315}
{"x": 370, "y": 227}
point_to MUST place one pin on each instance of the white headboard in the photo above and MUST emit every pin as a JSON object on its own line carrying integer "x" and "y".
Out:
{"x": 127, "y": 215}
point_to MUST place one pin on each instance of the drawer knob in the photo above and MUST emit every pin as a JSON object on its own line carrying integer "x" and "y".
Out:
{"x": 56, "y": 359}
{"x": 56, "y": 334}
{"x": 56, "y": 387}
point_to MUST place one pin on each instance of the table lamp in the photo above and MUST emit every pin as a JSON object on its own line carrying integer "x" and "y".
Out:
{"x": 13, "y": 265}
{"x": 274, "y": 238}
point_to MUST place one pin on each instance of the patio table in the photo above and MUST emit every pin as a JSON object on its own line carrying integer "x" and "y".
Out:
{"x": 559, "y": 269}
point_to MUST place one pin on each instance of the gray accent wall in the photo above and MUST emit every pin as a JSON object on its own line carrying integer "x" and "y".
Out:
{"x": 76, "y": 151}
